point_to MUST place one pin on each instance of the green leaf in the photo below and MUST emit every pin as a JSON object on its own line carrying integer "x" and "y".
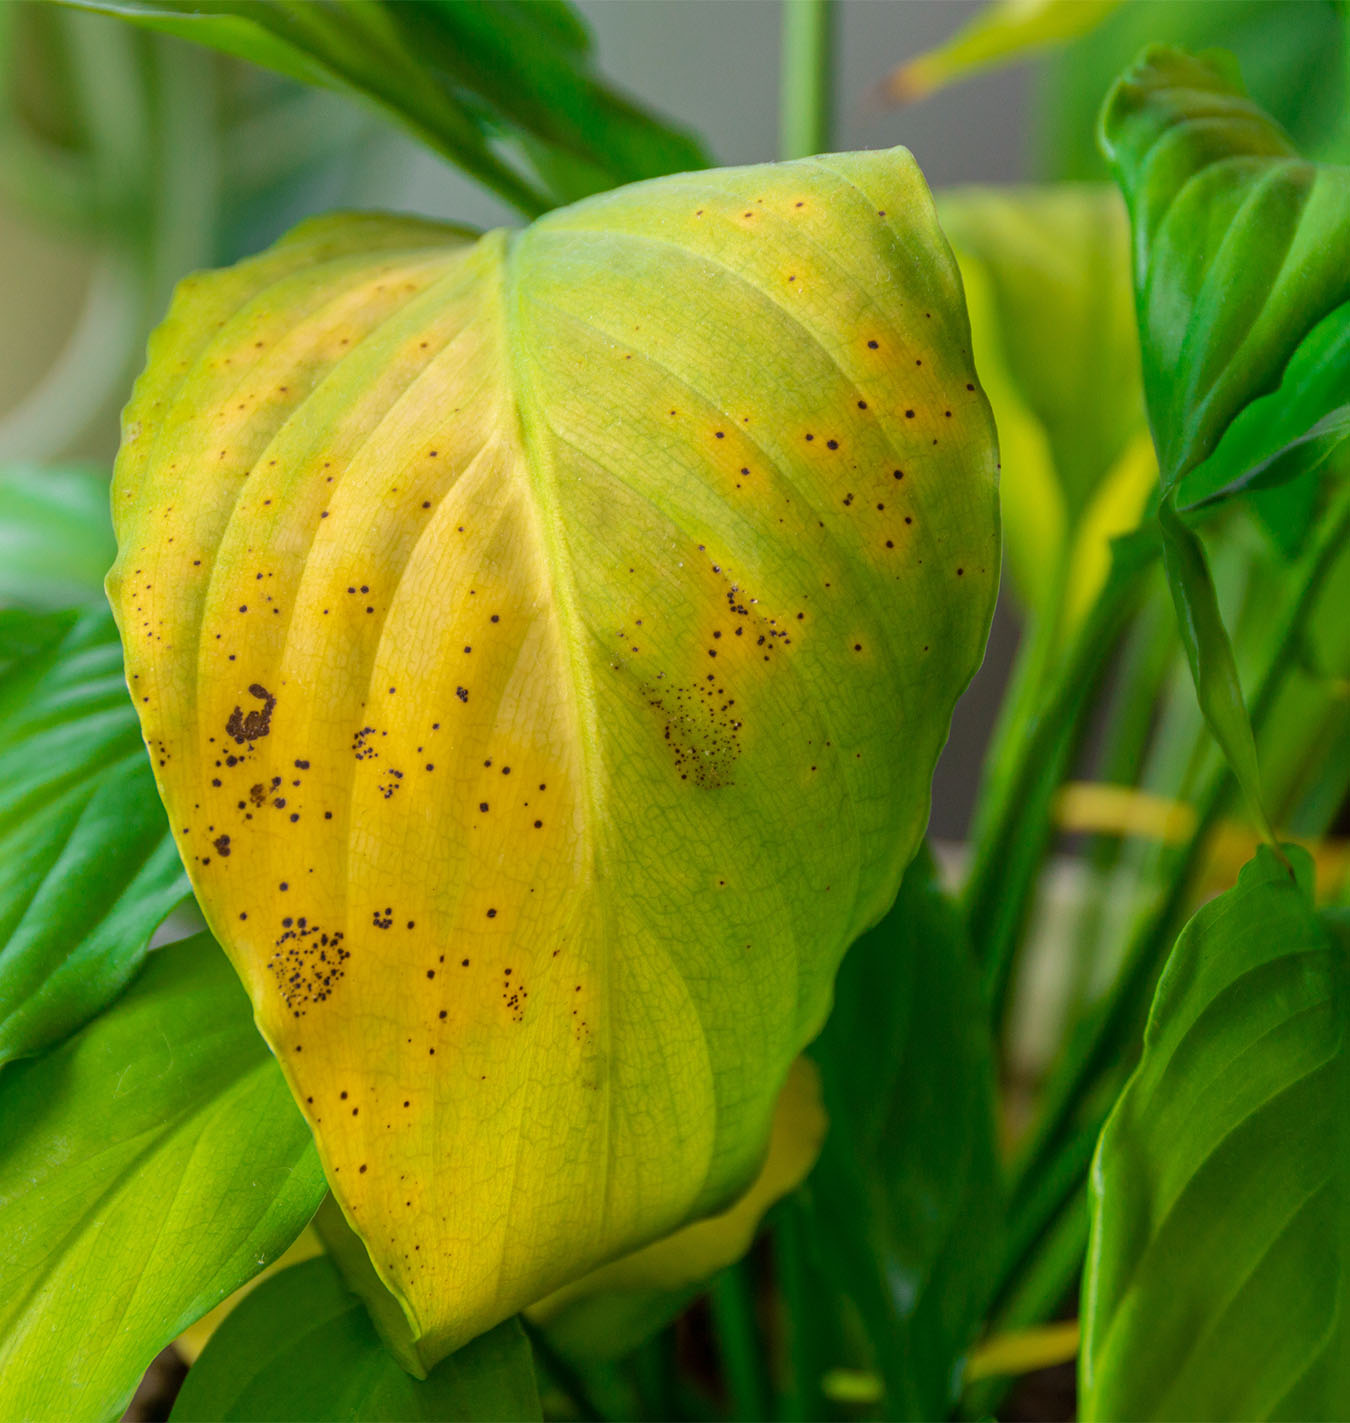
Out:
{"x": 536, "y": 620}
{"x": 1283, "y": 47}
{"x": 457, "y": 75}
{"x": 149, "y": 1166}
{"x": 1243, "y": 292}
{"x": 1216, "y": 1283}
{"x": 1240, "y": 269}
{"x": 1001, "y": 32}
{"x": 1209, "y": 655}
{"x": 907, "y": 1194}
{"x": 56, "y": 539}
{"x": 88, "y": 868}
{"x": 301, "y": 1347}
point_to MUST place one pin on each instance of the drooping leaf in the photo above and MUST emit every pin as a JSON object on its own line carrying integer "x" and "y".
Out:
{"x": 88, "y": 868}
{"x": 532, "y": 624}
{"x": 1001, "y": 32}
{"x": 148, "y": 1166}
{"x": 56, "y": 539}
{"x": 1047, "y": 279}
{"x": 302, "y": 1347}
{"x": 458, "y": 74}
{"x": 907, "y": 1192}
{"x": 1216, "y": 1282}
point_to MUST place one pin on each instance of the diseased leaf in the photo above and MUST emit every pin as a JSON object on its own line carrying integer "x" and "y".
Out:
{"x": 56, "y": 539}
{"x": 301, "y": 1347}
{"x": 1216, "y": 1282}
{"x": 88, "y": 868}
{"x": 148, "y": 1167}
{"x": 907, "y": 1194}
{"x": 553, "y": 636}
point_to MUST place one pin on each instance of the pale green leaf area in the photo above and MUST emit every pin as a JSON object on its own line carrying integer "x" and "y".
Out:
{"x": 907, "y": 1195}
{"x": 148, "y": 1166}
{"x": 1216, "y": 1282}
{"x": 56, "y": 539}
{"x": 552, "y": 636}
{"x": 88, "y": 868}
{"x": 1047, "y": 277}
{"x": 301, "y": 1347}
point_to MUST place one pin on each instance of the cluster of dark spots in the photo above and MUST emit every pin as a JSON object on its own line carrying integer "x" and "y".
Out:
{"x": 395, "y": 778}
{"x": 462, "y": 693}
{"x": 360, "y": 744}
{"x": 701, "y": 731}
{"x": 222, "y": 845}
{"x": 383, "y": 920}
{"x": 257, "y": 723}
{"x": 307, "y": 964}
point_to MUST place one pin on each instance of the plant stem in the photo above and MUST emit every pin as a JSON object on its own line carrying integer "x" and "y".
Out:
{"x": 806, "y": 93}
{"x": 738, "y": 1342}
{"x": 562, "y": 1374}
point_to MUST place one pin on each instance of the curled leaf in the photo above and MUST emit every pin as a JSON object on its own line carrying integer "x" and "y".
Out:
{"x": 552, "y": 636}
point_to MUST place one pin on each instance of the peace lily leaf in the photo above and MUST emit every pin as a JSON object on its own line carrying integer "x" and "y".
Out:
{"x": 1242, "y": 283}
{"x": 148, "y": 1166}
{"x": 1239, "y": 260}
{"x": 1046, "y": 271}
{"x": 56, "y": 540}
{"x": 529, "y": 624}
{"x": 88, "y": 869}
{"x": 1217, "y": 1268}
{"x": 301, "y": 1347}
{"x": 907, "y": 1194}
{"x": 457, "y": 75}
{"x": 610, "y": 1311}
{"x": 1002, "y": 32}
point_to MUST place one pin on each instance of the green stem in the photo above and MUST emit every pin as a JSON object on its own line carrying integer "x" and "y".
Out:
{"x": 806, "y": 95}
{"x": 1097, "y": 1054}
{"x": 1015, "y": 831}
{"x": 738, "y": 1343}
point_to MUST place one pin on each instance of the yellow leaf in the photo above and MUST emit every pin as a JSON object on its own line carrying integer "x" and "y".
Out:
{"x": 544, "y": 643}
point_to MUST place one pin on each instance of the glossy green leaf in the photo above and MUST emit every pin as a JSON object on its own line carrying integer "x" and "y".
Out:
{"x": 458, "y": 74}
{"x": 1242, "y": 285}
{"x": 1240, "y": 267}
{"x": 1000, "y": 32}
{"x": 1286, "y": 50}
{"x": 56, "y": 539}
{"x": 88, "y": 868}
{"x": 907, "y": 1192}
{"x": 495, "y": 603}
{"x": 1047, "y": 278}
{"x": 301, "y": 1347}
{"x": 148, "y": 1167}
{"x": 1216, "y": 1282}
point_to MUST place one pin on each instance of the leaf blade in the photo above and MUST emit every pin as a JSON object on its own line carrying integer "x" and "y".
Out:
{"x": 395, "y": 420}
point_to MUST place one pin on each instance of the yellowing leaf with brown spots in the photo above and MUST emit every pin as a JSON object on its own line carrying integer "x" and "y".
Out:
{"x": 547, "y": 640}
